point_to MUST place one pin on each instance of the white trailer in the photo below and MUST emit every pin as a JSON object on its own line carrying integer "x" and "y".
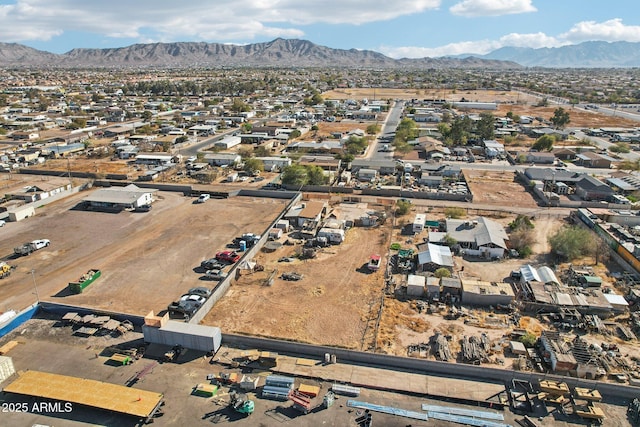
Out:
{"x": 418, "y": 223}
{"x": 333, "y": 235}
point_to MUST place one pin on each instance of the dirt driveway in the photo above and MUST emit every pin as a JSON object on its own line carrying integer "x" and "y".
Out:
{"x": 147, "y": 259}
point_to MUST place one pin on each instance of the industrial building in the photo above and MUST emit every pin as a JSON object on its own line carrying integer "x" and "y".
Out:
{"x": 120, "y": 198}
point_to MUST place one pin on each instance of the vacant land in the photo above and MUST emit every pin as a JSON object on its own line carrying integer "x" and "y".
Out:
{"x": 147, "y": 259}
{"x": 331, "y": 305}
{"x": 450, "y": 95}
{"x": 497, "y": 188}
{"x": 579, "y": 118}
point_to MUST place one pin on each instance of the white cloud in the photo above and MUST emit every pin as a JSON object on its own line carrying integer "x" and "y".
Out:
{"x": 479, "y": 47}
{"x": 201, "y": 19}
{"x": 611, "y": 30}
{"x": 473, "y": 8}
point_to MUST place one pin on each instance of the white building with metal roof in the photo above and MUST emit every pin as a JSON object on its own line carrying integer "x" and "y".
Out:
{"x": 120, "y": 198}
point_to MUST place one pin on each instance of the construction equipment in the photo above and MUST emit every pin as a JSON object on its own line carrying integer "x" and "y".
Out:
{"x": 5, "y": 269}
{"x": 240, "y": 403}
{"x": 173, "y": 354}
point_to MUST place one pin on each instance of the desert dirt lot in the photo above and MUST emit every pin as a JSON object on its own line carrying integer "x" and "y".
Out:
{"x": 497, "y": 188}
{"x": 147, "y": 259}
{"x": 579, "y": 118}
{"x": 499, "y": 96}
{"x": 332, "y": 304}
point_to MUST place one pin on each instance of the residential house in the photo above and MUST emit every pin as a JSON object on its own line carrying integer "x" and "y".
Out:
{"x": 308, "y": 211}
{"x": 383, "y": 167}
{"x": 275, "y": 163}
{"x": 480, "y": 237}
{"x": 327, "y": 163}
{"x": 563, "y": 153}
{"x": 327, "y": 147}
{"x": 590, "y": 159}
{"x": 590, "y": 188}
{"x": 222, "y": 159}
{"x": 156, "y": 159}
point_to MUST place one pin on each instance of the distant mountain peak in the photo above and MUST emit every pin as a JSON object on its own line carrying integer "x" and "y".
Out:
{"x": 589, "y": 54}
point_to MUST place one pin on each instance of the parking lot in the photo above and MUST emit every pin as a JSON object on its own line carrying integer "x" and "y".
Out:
{"x": 147, "y": 259}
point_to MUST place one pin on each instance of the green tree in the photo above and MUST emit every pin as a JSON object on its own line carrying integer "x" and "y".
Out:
{"x": 544, "y": 143}
{"x": 460, "y": 129}
{"x": 402, "y": 207}
{"x": 252, "y": 165}
{"x": 572, "y": 242}
{"x": 261, "y": 151}
{"x": 442, "y": 272}
{"x": 373, "y": 128}
{"x": 620, "y": 147}
{"x": 294, "y": 175}
{"x": 485, "y": 126}
{"x": 529, "y": 339}
{"x": 560, "y": 118}
{"x": 147, "y": 115}
{"x": 237, "y": 106}
{"x": 454, "y": 212}
{"x": 522, "y": 236}
{"x": 449, "y": 241}
{"x": 355, "y": 144}
{"x": 295, "y": 134}
{"x": 406, "y": 130}
{"x": 246, "y": 127}
{"x": 316, "y": 175}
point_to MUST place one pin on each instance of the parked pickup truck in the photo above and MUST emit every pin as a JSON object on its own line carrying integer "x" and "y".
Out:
{"x": 29, "y": 247}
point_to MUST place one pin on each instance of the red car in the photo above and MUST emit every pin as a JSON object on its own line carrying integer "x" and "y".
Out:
{"x": 228, "y": 256}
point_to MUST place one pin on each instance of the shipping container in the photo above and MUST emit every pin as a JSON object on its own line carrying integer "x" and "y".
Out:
{"x": 194, "y": 337}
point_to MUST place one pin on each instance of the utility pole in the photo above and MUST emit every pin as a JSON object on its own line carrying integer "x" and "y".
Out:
{"x": 35, "y": 287}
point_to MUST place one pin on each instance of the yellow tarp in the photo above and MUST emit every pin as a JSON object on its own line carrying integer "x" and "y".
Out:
{"x": 112, "y": 397}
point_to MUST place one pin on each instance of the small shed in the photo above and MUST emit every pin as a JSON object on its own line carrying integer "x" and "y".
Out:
{"x": 283, "y": 224}
{"x": 275, "y": 233}
{"x": 517, "y": 348}
{"x": 433, "y": 287}
{"x": 451, "y": 286}
{"x": 367, "y": 174}
{"x": 590, "y": 281}
{"x": 21, "y": 212}
{"x": 618, "y": 302}
{"x": 415, "y": 285}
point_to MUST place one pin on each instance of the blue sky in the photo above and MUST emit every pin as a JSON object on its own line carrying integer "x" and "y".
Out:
{"x": 397, "y": 28}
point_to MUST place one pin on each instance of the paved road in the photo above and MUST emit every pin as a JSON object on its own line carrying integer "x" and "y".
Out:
{"x": 388, "y": 127}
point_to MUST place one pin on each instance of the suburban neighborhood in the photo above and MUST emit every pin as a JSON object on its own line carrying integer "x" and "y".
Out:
{"x": 304, "y": 235}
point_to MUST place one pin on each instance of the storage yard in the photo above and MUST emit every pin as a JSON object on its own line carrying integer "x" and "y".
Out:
{"x": 147, "y": 259}
{"x": 196, "y": 391}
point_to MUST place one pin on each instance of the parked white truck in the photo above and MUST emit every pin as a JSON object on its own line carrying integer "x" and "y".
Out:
{"x": 29, "y": 247}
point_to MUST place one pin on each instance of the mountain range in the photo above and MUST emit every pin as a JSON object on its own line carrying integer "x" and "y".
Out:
{"x": 303, "y": 53}
{"x": 592, "y": 54}
{"x": 276, "y": 53}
